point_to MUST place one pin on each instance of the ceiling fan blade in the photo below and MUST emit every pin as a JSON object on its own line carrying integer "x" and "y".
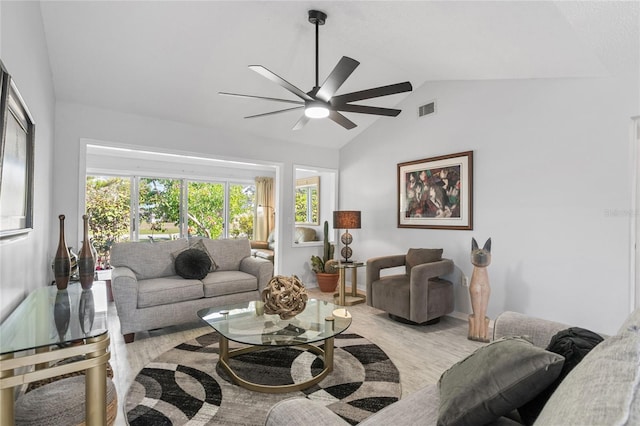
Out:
{"x": 280, "y": 81}
{"x": 274, "y": 112}
{"x": 363, "y": 109}
{"x": 338, "y": 76}
{"x": 300, "y": 124}
{"x": 239, "y": 95}
{"x": 376, "y": 92}
{"x": 341, "y": 120}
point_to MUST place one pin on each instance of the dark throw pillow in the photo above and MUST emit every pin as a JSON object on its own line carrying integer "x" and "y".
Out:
{"x": 418, "y": 256}
{"x": 193, "y": 264}
{"x": 573, "y": 344}
{"x": 495, "y": 380}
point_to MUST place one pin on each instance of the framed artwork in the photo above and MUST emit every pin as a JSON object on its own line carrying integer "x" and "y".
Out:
{"x": 16, "y": 160}
{"x": 436, "y": 193}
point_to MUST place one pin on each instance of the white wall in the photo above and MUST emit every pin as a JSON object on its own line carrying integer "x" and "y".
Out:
{"x": 550, "y": 165}
{"x": 74, "y": 122}
{"x": 25, "y": 263}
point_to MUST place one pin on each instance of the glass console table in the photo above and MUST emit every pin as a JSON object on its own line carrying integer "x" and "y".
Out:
{"x": 49, "y": 326}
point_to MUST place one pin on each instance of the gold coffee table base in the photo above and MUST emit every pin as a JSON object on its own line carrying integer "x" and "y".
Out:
{"x": 225, "y": 354}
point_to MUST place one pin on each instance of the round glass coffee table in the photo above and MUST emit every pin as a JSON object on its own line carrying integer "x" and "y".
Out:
{"x": 246, "y": 323}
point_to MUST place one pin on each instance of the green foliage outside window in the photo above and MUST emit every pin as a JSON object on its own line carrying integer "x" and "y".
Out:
{"x": 108, "y": 200}
{"x": 306, "y": 204}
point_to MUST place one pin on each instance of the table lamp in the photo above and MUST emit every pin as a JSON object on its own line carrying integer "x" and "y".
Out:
{"x": 346, "y": 219}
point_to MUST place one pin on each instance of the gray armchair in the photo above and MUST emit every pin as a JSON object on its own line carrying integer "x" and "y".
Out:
{"x": 417, "y": 296}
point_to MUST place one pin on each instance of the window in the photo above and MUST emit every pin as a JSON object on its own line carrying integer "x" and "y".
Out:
{"x": 161, "y": 206}
{"x": 308, "y": 200}
{"x": 108, "y": 201}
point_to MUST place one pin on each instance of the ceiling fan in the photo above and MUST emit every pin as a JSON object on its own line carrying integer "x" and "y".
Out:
{"x": 321, "y": 101}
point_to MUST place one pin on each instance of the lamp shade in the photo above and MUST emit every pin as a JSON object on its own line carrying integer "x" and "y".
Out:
{"x": 346, "y": 219}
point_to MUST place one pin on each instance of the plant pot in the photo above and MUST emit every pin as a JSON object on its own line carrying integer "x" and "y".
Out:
{"x": 327, "y": 282}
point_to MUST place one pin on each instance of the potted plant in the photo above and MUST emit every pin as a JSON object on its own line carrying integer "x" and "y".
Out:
{"x": 326, "y": 267}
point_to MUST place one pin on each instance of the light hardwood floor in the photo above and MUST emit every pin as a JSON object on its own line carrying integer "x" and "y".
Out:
{"x": 421, "y": 353}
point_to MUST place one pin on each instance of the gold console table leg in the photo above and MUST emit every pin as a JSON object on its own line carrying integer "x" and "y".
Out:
{"x": 96, "y": 387}
{"x": 6, "y": 395}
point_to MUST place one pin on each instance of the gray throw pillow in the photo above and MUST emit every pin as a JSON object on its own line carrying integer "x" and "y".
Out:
{"x": 199, "y": 245}
{"x": 495, "y": 380}
{"x": 418, "y": 256}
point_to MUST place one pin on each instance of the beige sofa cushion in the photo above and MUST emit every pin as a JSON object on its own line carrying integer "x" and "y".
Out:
{"x": 147, "y": 260}
{"x": 304, "y": 234}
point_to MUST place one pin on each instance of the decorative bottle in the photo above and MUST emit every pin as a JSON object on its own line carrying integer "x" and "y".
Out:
{"x": 86, "y": 261}
{"x": 62, "y": 261}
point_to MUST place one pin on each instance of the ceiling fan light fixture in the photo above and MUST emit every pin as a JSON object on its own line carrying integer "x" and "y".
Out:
{"x": 316, "y": 109}
{"x": 322, "y": 101}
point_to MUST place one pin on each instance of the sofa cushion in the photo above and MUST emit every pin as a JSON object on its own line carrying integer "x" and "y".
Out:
{"x": 418, "y": 256}
{"x": 220, "y": 283}
{"x": 168, "y": 290}
{"x": 304, "y": 234}
{"x": 603, "y": 389}
{"x": 495, "y": 380}
{"x": 228, "y": 253}
{"x": 147, "y": 260}
{"x": 573, "y": 344}
{"x": 193, "y": 264}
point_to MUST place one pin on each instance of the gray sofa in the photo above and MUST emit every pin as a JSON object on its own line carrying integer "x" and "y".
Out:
{"x": 149, "y": 295}
{"x": 603, "y": 389}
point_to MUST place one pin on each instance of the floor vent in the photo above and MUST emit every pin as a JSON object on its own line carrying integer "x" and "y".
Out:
{"x": 427, "y": 109}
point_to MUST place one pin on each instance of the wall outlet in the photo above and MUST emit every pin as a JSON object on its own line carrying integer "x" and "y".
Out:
{"x": 465, "y": 281}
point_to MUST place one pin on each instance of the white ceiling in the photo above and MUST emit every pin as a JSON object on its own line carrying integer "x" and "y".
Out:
{"x": 170, "y": 59}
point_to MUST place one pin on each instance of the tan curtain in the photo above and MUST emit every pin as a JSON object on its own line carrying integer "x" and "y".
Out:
{"x": 265, "y": 209}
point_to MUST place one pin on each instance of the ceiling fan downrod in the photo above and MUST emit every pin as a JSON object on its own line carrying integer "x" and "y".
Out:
{"x": 317, "y": 18}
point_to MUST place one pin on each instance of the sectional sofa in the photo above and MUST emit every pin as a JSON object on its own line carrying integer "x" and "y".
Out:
{"x": 602, "y": 389}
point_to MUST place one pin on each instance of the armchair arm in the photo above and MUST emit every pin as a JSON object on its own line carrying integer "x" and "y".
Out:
{"x": 419, "y": 284}
{"x": 259, "y": 245}
{"x": 262, "y": 269}
{"x": 376, "y": 264}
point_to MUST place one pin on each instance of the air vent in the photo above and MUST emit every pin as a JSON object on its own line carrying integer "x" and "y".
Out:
{"x": 427, "y": 109}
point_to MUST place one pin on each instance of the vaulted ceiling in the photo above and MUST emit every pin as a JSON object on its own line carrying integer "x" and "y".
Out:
{"x": 170, "y": 59}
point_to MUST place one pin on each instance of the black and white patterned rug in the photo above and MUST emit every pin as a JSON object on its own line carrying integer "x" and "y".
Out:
{"x": 184, "y": 385}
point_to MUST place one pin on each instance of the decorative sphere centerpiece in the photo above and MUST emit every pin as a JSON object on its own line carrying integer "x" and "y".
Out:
{"x": 284, "y": 296}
